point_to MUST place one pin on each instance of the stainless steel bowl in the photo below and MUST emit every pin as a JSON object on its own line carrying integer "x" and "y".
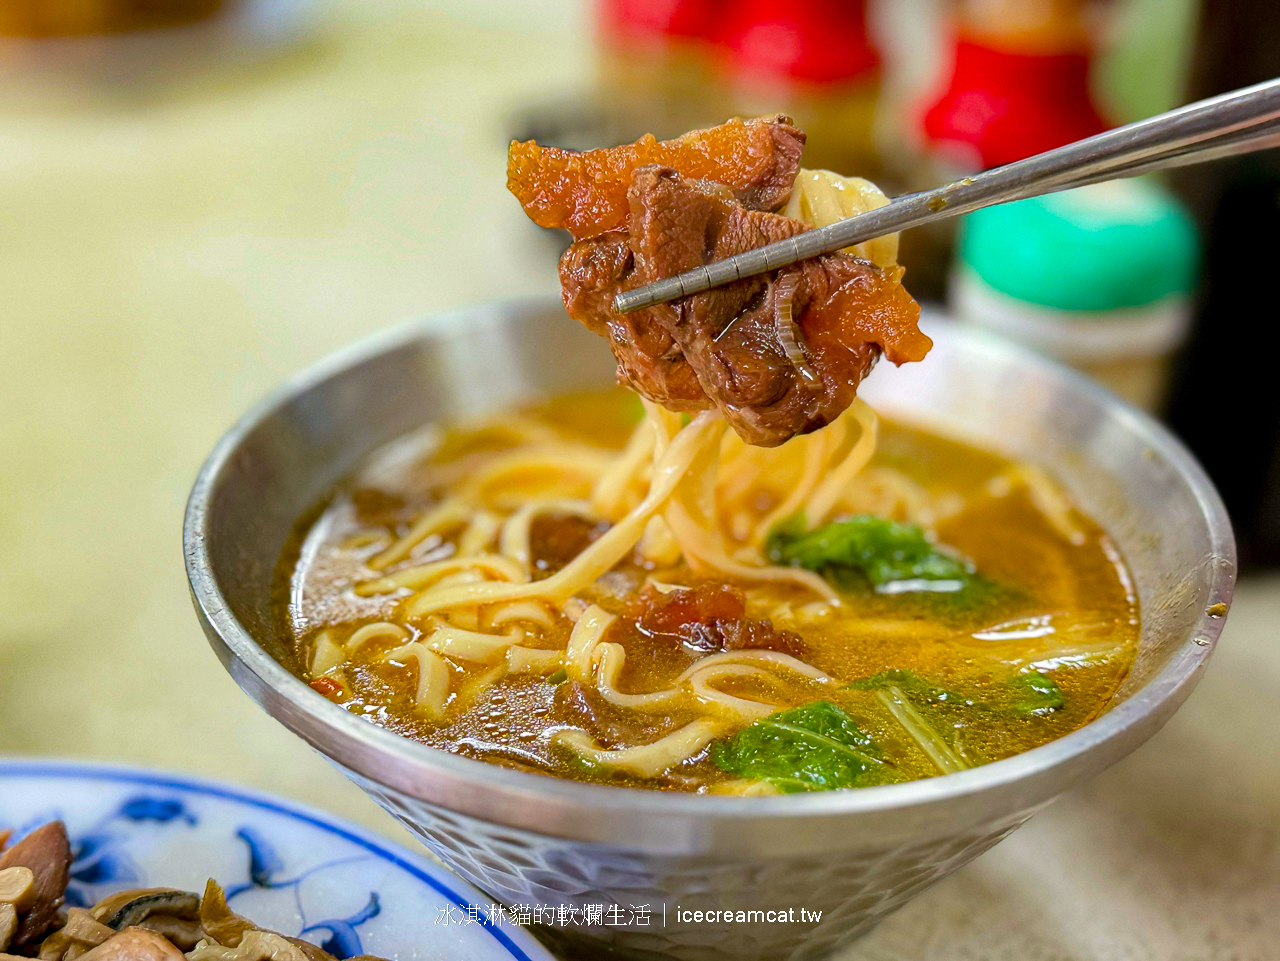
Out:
{"x": 533, "y": 840}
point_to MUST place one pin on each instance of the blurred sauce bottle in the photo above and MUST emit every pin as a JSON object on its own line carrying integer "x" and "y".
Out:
{"x": 667, "y": 66}
{"x": 655, "y": 65}
{"x": 1099, "y": 278}
{"x": 813, "y": 60}
{"x": 1019, "y": 83}
{"x": 62, "y": 18}
{"x": 1225, "y": 402}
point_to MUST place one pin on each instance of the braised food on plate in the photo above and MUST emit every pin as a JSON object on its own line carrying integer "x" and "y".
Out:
{"x": 146, "y": 924}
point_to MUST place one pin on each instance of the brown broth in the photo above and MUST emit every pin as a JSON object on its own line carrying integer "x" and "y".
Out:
{"x": 1080, "y": 590}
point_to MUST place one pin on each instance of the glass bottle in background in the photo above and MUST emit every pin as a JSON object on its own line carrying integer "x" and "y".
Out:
{"x": 813, "y": 60}
{"x": 1225, "y": 404}
{"x": 1018, "y": 84}
{"x": 1099, "y": 278}
{"x": 655, "y": 66}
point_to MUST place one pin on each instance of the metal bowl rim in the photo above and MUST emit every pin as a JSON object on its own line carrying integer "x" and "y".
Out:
{"x": 1180, "y": 671}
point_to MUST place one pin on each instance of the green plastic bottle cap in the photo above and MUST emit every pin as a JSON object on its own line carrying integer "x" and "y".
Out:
{"x": 1123, "y": 244}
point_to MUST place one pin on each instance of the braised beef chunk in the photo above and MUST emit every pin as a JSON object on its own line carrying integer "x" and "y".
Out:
{"x": 710, "y": 618}
{"x": 725, "y": 348}
{"x": 649, "y": 360}
{"x": 777, "y": 355}
{"x": 586, "y": 192}
{"x": 556, "y": 539}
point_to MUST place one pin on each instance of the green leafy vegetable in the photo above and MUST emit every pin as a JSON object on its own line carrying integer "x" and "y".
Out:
{"x": 934, "y": 717}
{"x": 883, "y": 551}
{"x": 948, "y": 758}
{"x": 909, "y": 682}
{"x": 1035, "y": 695}
{"x": 815, "y": 747}
{"x": 1024, "y": 695}
{"x": 978, "y": 598}
{"x": 904, "y": 694}
{"x": 558, "y": 677}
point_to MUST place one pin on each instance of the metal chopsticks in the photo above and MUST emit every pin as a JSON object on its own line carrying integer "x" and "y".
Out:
{"x": 1239, "y": 122}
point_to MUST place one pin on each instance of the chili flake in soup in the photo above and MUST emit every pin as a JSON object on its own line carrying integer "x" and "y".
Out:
{"x": 653, "y": 603}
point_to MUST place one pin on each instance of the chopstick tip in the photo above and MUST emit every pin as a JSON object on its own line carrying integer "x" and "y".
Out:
{"x": 630, "y": 300}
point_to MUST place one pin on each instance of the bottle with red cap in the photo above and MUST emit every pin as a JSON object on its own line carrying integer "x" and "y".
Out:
{"x": 814, "y": 60}
{"x": 1017, "y": 82}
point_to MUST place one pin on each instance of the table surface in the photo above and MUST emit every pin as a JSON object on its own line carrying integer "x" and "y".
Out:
{"x": 173, "y": 248}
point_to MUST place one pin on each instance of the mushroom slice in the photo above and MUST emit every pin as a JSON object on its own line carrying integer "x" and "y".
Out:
{"x": 186, "y": 934}
{"x": 8, "y": 924}
{"x": 56, "y": 947}
{"x": 17, "y": 887}
{"x": 227, "y": 930}
{"x": 79, "y": 934}
{"x": 220, "y": 923}
{"x": 257, "y": 945}
{"x": 134, "y": 944}
{"x": 83, "y": 926}
{"x": 47, "y": 852}
{"x": 309, "y": 951}
{"x": 126, "y": 909}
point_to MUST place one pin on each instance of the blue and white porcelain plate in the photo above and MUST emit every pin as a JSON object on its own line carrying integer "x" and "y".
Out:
{"x": 284, "y": 866}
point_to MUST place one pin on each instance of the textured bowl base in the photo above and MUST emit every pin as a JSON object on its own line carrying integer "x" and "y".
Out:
{"x": 645, "y": 895}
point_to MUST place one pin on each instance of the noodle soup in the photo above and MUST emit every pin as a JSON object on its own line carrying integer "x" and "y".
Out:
{"x": 596, "y": 591}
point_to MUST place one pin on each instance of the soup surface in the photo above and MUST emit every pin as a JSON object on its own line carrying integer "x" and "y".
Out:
{"x": 600, "y": 591}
